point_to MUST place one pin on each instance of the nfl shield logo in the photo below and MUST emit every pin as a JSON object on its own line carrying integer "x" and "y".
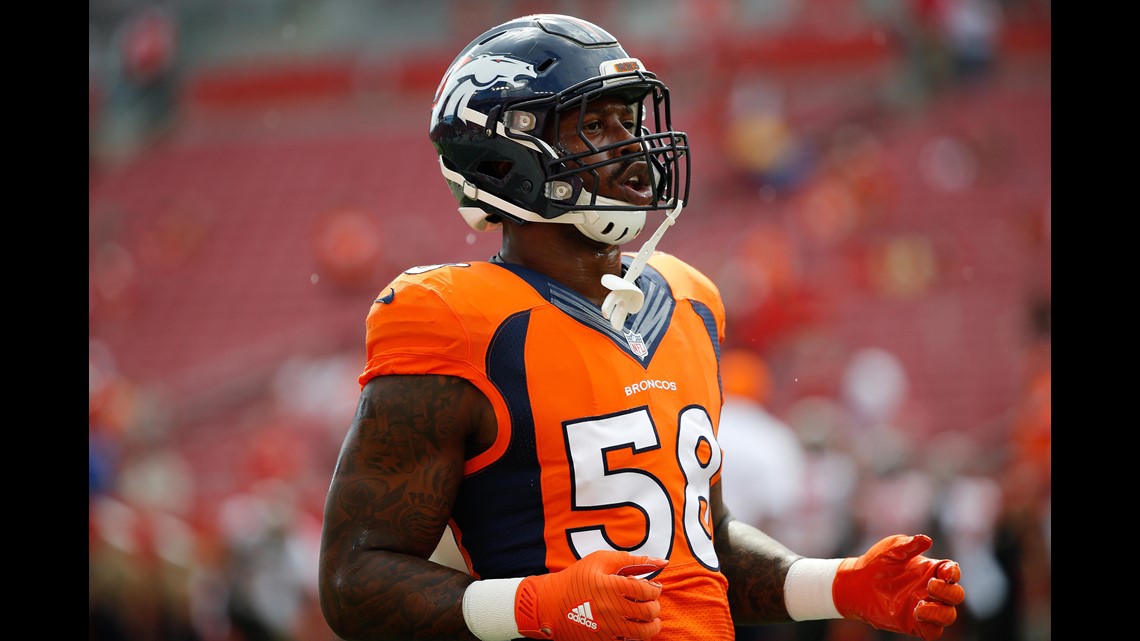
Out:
{"x": 636, "y": 343}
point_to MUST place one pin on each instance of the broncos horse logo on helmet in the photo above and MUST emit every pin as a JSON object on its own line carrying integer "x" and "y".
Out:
{"x": 470, "y": 75}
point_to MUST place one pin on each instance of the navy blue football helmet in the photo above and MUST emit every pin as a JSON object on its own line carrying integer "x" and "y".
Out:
{"x": 518, "y": 80}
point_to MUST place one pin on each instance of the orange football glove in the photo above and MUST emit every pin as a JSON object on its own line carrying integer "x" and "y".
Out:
{"x": 893, "y": 587}
{"x": 598, "y": 597}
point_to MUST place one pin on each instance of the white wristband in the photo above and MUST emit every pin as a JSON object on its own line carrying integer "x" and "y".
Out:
{"x": 807, "y": 589}
{"x": 489, "y": 609}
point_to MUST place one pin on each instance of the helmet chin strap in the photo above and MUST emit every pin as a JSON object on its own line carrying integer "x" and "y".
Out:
{"x": 624, "y": 297}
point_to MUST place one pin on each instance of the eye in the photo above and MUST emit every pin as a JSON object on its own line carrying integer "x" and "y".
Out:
{"x": 592, "y": 126}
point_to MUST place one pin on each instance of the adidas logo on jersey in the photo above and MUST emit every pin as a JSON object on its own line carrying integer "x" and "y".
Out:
{"x": 582, "y": 615}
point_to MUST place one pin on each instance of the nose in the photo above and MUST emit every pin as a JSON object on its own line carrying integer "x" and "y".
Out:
{"x": 630, "y": 144}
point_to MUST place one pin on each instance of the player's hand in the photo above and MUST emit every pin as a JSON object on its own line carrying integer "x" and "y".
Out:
{"x": 598, "y": 597}
{"x": 893, "y": 587}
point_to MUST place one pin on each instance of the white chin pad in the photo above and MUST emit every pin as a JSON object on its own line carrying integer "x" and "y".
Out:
{"x": 610, "y": 227}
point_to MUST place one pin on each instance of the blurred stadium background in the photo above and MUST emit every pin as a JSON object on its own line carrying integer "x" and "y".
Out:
{"x": 872, "y": 193}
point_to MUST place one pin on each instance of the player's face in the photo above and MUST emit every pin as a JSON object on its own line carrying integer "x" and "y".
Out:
{"x": 608, "y": 121}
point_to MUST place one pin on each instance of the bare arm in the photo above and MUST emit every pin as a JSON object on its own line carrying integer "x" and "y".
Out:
{"x": 755, "y": 565}
{"x": 395, "y": 482}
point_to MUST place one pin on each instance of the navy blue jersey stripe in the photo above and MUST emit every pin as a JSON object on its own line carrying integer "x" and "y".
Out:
{"x": 706, "y": 315}
{"x": 505, "y": 533}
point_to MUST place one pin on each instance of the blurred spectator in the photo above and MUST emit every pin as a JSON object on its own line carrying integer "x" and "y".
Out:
{"x": 946, "y": 43}
{"x": 271, "y": 556}
{"x": 875, "y": 388}
{"x": 1032, "y": 430}
{"x": 209, "y": 591}
{"x": 926, "y": 67}
{"x": 138, "y": 580}
{"x": 972, "y": 31}
{"x": 1023, "y": 528}
{"x": 894, "y": 494}
{"x": 967, "y": 512}
{"x": 821, "y": 524}
{"x": 763, "y": 146}
{"x": 764, "y": 460}
{"x": 140, "y": 87}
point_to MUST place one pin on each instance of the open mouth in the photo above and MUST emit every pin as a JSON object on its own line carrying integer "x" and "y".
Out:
{"x": 634, "y": 184}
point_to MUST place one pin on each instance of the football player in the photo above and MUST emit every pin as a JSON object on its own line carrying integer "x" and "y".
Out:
{"x": 557, "y": 404}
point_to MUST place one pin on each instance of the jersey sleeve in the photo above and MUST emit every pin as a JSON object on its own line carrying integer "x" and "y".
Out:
{"x": 411, "y": 329}
{"x": 690, "y": 284}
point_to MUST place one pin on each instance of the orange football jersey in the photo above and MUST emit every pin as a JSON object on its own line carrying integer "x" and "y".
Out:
{"x": 606, "y": 439}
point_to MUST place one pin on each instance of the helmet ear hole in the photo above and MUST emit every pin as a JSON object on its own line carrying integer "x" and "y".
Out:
{"x": 544, "y": 65}
{"x": 495, "y": 169}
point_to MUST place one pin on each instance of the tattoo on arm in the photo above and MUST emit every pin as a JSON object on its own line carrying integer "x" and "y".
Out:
{"x": 397, "y": 477}
{"x": 755, "y": 565}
